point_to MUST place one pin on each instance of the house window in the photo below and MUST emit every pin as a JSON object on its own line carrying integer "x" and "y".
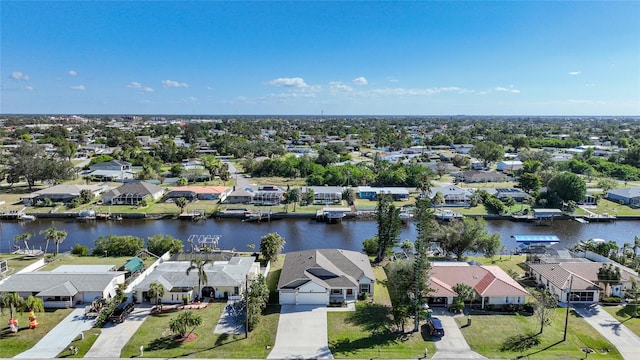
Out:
{"x": 349, "y": 291}
{"x": 336, "y": 291}
{"x": 236, "y": 290}
{"x": 364, "y": 288}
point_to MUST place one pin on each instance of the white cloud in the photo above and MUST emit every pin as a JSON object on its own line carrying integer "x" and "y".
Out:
{"x": 392, "y": 79}
{"x": 174, "y": 84}
{"x": 72, "y": 73}
{"x": 360, "y": 81}
{"x": 295, "y": 82}
{"x": 139, "y": 86}
{"x": 78, "y": 88}
{"x": 418, "y": 92}
{"x": 509, "y": 89}
{"x": 189, "y": 100}
{"x": 28, "y": 88}
{"x": 574, "y": 73}
{"x": 18, "y": 75}
{"x": 339, "y": 87}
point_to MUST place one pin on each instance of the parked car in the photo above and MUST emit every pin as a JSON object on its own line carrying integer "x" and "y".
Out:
{"x": 434, "y": 327}
{"x": 121, "y": 312}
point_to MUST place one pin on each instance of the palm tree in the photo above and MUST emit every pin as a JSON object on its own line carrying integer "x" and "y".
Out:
{"x": 181, "y": 203}
{"x": 636, "y": 245}
{"x": 156, "y": 291}
{"x": 24, "y": 238}
{"x": 293, "y": 196}
{"x": 198, "y": 264}
{"x": 12, "y": 301}
{"x": 184, "y": 321}
{"x": 54, "y": 234}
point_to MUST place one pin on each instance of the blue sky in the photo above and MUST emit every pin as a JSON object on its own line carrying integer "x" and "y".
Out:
{"x": 348, "y": 58}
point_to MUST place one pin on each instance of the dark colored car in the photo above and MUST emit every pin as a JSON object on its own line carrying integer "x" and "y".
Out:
{"x": 435, "y": 328}
{"x": 121, "y": 312}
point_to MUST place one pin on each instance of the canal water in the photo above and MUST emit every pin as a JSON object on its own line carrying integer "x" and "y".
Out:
{"x": 299, "y": 234}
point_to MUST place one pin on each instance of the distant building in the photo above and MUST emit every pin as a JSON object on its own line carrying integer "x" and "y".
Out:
{"x": 628, "y": 196}
{"x": 132, "y": 194}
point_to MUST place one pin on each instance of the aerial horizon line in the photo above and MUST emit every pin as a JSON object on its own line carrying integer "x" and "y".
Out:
{"x": 319, "y": 115}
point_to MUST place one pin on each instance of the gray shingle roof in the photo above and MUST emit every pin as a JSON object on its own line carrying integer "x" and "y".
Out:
{"x": 142, "y": 188}
{"x": 325, "y": 267}
{"x": 41, "y": 281}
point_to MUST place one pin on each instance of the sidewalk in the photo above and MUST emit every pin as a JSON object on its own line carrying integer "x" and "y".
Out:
{"x": 627, "y": 343}
{"x": 59, "y": 338}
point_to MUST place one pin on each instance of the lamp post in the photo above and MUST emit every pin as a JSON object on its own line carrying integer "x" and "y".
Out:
{"x": 566, "y": 320}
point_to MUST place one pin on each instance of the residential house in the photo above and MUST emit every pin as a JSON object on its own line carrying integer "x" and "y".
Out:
{"x": 491, "y": 285}
{"x": 226, "y": 277}
{"x": 60, "y": 193}
{"x": 509, "y": 165}
{"x": 68, "y": 287}
{"x": 240, "y": 196}
{"x": 132, "y": 193}
{"x": 113, "y": 165}
{"x": 269, "y": 195}
{"x": 371, "y": 193}
{"x": 628, "y": 196}
{"x": 325, "y": 276}
{"x": 453, "y": 195}
{"x": 192, "y": 193}
{"x": 483, "y": 176}
{"x": 324, "y": 194}
{"x": 582, "y": 278}
{"x": 504, "y": 194}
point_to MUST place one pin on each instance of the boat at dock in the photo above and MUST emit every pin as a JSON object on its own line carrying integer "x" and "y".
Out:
{"x": 446, "y": 215}
{"x": 332, "y": 215}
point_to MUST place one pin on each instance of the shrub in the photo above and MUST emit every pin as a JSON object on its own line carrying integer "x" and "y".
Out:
{"x": 611, "y": 300}
{"x": 80, "y": 250}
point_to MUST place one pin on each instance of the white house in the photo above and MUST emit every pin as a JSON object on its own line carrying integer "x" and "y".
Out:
{"x": 324, "y": 276}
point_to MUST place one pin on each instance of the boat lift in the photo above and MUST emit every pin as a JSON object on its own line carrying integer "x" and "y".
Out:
{"x": 204, "y": 241}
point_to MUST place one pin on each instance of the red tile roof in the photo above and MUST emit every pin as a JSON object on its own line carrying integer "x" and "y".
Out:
{"x": 486, "y": 280}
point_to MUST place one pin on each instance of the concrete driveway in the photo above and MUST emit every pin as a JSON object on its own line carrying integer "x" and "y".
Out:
{"x": 627, "y": 343}
{"x": 302, "y": 333}
{"x": 453, "y": 345}
{"x": 114, "y": 336}
{"x": 59, "y": 338}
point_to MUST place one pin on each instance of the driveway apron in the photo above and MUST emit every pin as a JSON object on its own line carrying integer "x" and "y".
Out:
{"x": 59, "y": 338}
{"x": 453, "y": 345}
{"x": 627, "y": 343}
{"x": 114, "y": 336}
{"x": 302, "y": 333}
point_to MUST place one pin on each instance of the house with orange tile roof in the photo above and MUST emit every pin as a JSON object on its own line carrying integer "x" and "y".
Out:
{"x": 492, "y": 286}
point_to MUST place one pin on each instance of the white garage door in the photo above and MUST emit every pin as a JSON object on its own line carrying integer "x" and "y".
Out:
{"x": 312, "y": 298}
{"x": 287, "y": 298}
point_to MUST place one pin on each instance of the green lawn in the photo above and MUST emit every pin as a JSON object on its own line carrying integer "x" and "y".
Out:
{"x": 157, "y": 340}
{"x": 90, "y": 337}
{"x": 13, "y": 344}
{"x": 489, "y": 333}
{"x": 17, "y": 262}
{"x": 624, "y": 315}
{"x": 355, "y": 335}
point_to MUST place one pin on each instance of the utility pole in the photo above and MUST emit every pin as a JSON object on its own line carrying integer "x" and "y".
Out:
{"x": 566, "y": 320}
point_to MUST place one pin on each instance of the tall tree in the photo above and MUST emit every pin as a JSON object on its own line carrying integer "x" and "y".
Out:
{"x": 388, "y": 219}
{"x": 271, "y": 245}
{"x": 568, "y": 187}
{"x": 55, "y": 235}
{"x": 470, "y": 234}
{"x": 544, "y": 307}
{"x": 30, "y": 162}
{"x": 199, "y": 264}
{"x": 24, "y": 237}
{"x": 426, "y": 226}
{"x": 487, "y": 151}
{"x": 181, "y": 203}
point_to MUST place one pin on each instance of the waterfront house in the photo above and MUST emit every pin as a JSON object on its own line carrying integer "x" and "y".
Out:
{"x": 60, "y": 193}
{"x": 132, "y": 193}
{"x": 324, "y": 194}
{"x": 628, "y": 196}
{"x": 509, "y": 165}
{"x": 491, "y": 285}
{"x": 325, "y": 276}
{"x": 371, "y": 193}
{"x": 504, "y": 194}
{"x": 68, "y": 287}
{"x": 268, "y": 195}
{"x": 192, "y": 193}
{"x": 582, "y": 277}
{"x": 240, "y": 196}
{"x": 453, "y": 195}
{"x": 226, "y": 277}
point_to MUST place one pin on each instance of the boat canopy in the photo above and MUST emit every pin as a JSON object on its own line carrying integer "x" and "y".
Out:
{"x": 536, "y": 239}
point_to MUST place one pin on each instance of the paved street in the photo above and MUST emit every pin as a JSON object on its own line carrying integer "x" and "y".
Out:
{"x": 620, "y": 336}
{"x": 59, "y": 338}
{"x": 115, "y": 336}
